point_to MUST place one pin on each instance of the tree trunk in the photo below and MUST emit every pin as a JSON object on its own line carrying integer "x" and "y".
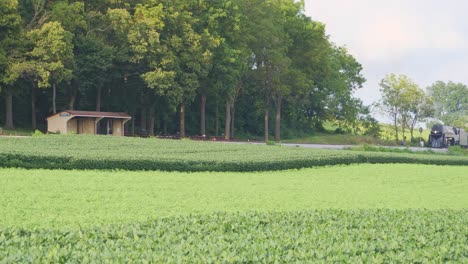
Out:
{"x": 279, "y": 99}
{"x": 98, "y": 99}
{"x": 403, "y": 130}
{"x": 133, "y": 125}
{"x": 74, "y": 91}
{"x": 395, "y": 123}
{"x": 143, "y": 120}
{"x": 9, "y": 110}
{"x": 182, "y": 120}
{"x": 54, "y": 96}
{"x": 33, "y": 107}
{"x": 217, "y": 119}
{"x": 203, "y": 115}
{"x": 233, "y": 107}
{"x": 164, "y": 123}
{"x": 413, "y": 124}
{"x": 151, "y": 122}
{"x": 233, "y": 114}
{"x": 267, "y": 109}
{"x": 412, "y": 133}
{"x": 227, "y": 126}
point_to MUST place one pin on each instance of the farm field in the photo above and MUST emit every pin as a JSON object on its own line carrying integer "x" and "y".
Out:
{"x": 120, "y": 200}
{"x": 71, "y": 198}
{"x": 326, "y": 236}
{"x": 101, "y": 152}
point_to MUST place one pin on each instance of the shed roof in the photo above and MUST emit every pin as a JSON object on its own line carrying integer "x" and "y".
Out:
{"x": 95, "y": 114}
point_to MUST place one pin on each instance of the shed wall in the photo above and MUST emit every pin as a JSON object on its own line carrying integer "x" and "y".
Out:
{"x": 117, "y": 127}
{"x": 86, "y": 126}
{"x": 72, "y": 126}
{"x": 65, "y": 122}
{"x": 57, "y": 124}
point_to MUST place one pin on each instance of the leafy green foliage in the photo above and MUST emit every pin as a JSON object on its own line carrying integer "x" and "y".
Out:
{"x": 49, "y": 58}
{"x": 10, "y": 27}
{"x": 37, "y": 133}
{"x": 450, "y": 102}
{"x": 74, "y": 198}
{"x": 308, "y": 236}
{"x": 404, "y": 102}
{"x": 88, "y": 152}
{"x": 150, "y": 57}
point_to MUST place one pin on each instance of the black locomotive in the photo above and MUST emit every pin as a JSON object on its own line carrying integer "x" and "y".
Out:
{"x": 444, "y": 136}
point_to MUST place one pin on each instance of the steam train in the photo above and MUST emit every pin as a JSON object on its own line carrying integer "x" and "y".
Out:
{"x": 444, "y": 136}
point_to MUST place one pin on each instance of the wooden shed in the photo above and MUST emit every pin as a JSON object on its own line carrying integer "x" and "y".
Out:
{"x": 88, "y": 122}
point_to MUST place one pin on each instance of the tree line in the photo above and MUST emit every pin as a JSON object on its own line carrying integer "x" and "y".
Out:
{"x": 406, "y": 104}
{"x": 200, "y": 67}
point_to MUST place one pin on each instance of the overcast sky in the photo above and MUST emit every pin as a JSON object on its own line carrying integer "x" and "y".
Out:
{"x": 424, "y": 39}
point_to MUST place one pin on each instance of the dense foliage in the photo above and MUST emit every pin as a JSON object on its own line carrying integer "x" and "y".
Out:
{"x": 450, "y": 103}
{"x": 405, "y": 104}
{"x": 103, "y": 152}
{"x": 207, "y": 64}
{"x": 412, "y": 236}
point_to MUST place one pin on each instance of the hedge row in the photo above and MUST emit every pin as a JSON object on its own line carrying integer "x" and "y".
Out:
{"x": 329, "y": 236}
{"x": 70, "y": 163}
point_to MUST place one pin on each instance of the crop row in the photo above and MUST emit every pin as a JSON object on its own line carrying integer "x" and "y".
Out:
{"x": 84, "y": 152}
{"x": 181, "y": 164}
{"x": 310, "y": 236}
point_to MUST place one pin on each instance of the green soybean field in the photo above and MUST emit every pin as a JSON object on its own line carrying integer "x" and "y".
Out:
{"x": 83, "y": 199}
{"x": 101, "y": 152}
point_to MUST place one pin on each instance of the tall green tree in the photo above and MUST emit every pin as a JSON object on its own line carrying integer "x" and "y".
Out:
{"x": 345, "y": 78}
{"x": 397, "y": 100}
{"x": 229, "y": 62}
{"x": 140, "y": 34}
{"x": 311, "y": 71}
{"x": 419, "y": 109}
{"x": 450, "y": 103}
{"x": 187, "y": 48}
{"x": 269, "y": 44}
{"x": 71, "y": 15}
{"x": 10, "y": 27}
{"x": 46, "y": 61}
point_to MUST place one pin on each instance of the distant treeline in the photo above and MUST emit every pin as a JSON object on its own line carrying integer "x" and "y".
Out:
{"x": 216, "y": 67}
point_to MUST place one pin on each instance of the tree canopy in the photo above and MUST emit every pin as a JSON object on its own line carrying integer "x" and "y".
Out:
{"x": 450, "y": 103}
{"x": 202, "y": 63}
{"x": 404, "y": 102}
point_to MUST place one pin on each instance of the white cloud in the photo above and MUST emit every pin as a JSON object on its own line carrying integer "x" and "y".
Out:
{"x": 424, "y": 39}
{"x": 387, "y": 29}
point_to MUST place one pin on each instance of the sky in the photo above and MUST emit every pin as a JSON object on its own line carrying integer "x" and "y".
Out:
{"x": 426, "y": 40}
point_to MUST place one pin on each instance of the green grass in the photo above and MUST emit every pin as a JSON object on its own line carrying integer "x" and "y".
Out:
{"x": 458, "y": 151}
{"x": 15, "y": 132}
{"x": 338, "y": 139}
{"x": 329, "y": 236}
{"x": 388, "y": 133}
{"x": 104, "y": 152}
{"x": 69, "y": 198}
{"x": 372, "y": 148}
{"x": 453, "y": 150}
